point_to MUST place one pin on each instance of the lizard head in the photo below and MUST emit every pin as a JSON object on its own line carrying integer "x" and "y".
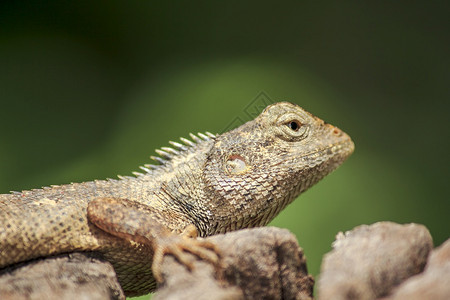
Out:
{"x": 255, "y": 170}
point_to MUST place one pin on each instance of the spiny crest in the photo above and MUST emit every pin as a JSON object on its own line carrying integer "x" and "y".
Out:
{"x": 168, "y": 153}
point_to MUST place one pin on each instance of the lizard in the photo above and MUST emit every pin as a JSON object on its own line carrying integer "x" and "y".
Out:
{"x": 205, "y": 185}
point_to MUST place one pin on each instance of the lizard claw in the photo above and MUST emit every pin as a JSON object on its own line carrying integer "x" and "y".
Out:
{"x": 178, "y": 246}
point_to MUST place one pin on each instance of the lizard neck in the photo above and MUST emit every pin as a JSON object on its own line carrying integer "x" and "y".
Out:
{"x": 255, "y": 199}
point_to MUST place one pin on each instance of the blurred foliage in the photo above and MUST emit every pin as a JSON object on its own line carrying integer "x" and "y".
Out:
{"x": 88, "y": 90}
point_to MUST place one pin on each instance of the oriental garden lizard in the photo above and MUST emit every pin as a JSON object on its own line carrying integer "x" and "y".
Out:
{"x": 200, "y": 187}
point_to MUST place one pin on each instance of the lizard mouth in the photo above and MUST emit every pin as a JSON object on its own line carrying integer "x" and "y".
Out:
{"x": 338, "y": 150}
{"x": 343, "y": 148}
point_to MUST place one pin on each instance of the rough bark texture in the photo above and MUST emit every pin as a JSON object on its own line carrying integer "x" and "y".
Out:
{"x": 263, "y": 263}
{"x": 370, "y": 262}
{"x": 433, "y": 283}
{"x": 367, "y": 262}
{"x": 69, "y": 276}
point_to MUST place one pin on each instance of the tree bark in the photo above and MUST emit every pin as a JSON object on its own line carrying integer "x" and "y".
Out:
{"x": 369, "y": 261}
{"x": 262, "y": 263}
{"x": 68, "y": 276}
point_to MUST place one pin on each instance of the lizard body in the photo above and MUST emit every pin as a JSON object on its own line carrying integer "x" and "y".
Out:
{"x": 214, "y": 184}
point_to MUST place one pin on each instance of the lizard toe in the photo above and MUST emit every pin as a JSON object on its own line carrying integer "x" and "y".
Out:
{"x": 180, "y": 248}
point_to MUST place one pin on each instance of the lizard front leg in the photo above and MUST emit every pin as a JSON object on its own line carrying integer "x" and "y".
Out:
{"x": 131, "y": 220}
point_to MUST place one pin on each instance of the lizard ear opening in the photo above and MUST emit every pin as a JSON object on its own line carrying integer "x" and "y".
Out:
{"x": 236, "y": 165}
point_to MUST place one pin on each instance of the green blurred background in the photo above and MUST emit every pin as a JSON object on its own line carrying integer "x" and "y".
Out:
{"x": 89, "y": 90}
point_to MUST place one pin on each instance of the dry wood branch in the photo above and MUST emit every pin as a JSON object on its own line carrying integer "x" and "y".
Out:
{"x": 367, "y": 262}
{"x": 381, "y": 260}
{"x": 68, "y": 276}
{"x": 433, "y": 283}
{"x": 262, "y": 263}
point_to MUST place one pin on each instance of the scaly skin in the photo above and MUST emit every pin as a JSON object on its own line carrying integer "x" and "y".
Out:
{"x": 242, "y": 178}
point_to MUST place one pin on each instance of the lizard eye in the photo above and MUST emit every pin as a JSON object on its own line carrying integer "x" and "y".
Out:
{"x": 294, "y": 125}
{"x": 290, "y": 128}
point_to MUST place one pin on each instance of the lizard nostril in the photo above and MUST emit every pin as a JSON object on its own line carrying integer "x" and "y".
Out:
{"x": 337, "y": 132}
